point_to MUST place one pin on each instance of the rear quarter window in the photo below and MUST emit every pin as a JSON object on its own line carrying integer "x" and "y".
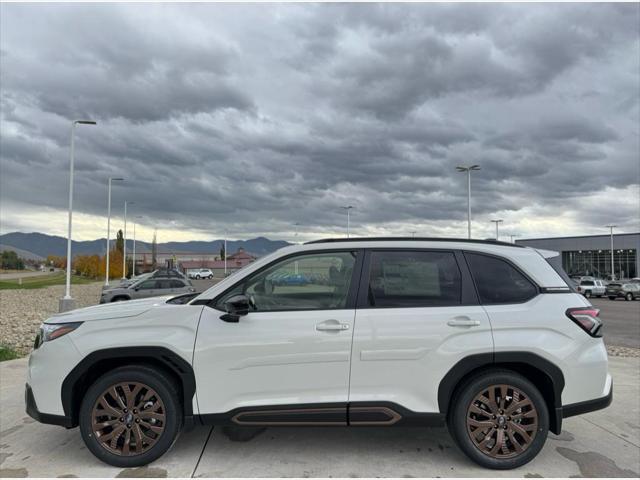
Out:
{"x": 499, "y": 282}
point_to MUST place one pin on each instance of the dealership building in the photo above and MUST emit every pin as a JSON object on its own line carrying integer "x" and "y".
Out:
{"x": 591, "y": 255}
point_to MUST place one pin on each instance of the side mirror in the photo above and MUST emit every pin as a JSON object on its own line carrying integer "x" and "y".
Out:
{"x": 236, "y": 307}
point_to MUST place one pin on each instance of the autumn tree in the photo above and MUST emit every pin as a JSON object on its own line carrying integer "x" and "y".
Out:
{"x": 120, "y": 243}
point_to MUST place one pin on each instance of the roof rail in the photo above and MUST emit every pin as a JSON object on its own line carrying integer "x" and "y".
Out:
{"x": 413, "y": 239}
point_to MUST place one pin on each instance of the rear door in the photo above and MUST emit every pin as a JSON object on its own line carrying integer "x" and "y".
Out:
{"x": 417, "y": 316}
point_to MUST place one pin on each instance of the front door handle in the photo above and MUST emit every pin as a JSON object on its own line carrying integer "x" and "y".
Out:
{"x": 332, "y": 326}
{"x": 463, "y": 322}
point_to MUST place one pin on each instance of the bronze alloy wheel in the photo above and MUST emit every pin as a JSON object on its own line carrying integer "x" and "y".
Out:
{"x": 128, "y": 418}
{"x": 502, "y": 421}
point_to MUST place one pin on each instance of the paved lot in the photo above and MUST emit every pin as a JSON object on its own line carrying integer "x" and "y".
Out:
{"x": 621, "y": 321}
{"x": 600, "y": 444}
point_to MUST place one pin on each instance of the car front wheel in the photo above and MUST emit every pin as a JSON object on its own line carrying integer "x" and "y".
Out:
{"x": 587, "y": 294}
{"x": 628, "y": 297}
{"x": 130, "y": 416}
{"x": 499, "y": 420}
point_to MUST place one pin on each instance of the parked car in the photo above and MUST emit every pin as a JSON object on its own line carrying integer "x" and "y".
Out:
{"x": 591, "y": 288}
{"x": 628, "y": 291}
{"x": 149, "y": 287}
{"x": 420, "y": 332}
{"x": 158, "y": 273}
{"x": 635, "y": 280}
{"x": 202, "y": 273}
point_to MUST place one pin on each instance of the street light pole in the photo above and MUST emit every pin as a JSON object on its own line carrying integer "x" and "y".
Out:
{"x": 348, "y": 208}
{"x": 468, "y": 169}
{"x": 225, "y": 253}
{"x": 133, "y": 274}
{"x": 497, "y": 222}
{"x": 66, "y": 303}
{"x": 106, "y": 280}
{"x": 611, "y": 227}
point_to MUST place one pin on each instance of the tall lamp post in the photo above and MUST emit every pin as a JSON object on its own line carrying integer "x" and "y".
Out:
{"x": 124, "y": 246}
{"x": 348, "y": 209}
{"x": 111, "y": 179}
{"x": 66, "y": 303}
{"x": 468, "y": 169}
{"x": 225, "y": 253}
{"x": 611, "y": 227}
{"x": 497, "y": 222}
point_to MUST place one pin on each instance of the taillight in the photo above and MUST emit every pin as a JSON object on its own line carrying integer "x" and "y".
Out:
{"x": 587, "y": 319}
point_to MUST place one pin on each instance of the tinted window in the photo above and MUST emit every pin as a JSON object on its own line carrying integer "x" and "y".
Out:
{"x": 147, "y": 285}
{"x": 305, "y": 282}
{"x": 163, "y": 284}
{"x": 176, "y": 284}
{"x": 414, "y": 279}
{"x": 588, "y": 283}
{"x": 499, "y": 282}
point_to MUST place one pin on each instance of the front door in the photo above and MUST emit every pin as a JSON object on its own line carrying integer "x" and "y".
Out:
{"x": 417, "y": 317}
{"x": 294, "y": 346}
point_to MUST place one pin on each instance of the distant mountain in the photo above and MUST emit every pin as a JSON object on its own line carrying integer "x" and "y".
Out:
{"x": 24, "y": 254}
{"x": 43, "y": 245}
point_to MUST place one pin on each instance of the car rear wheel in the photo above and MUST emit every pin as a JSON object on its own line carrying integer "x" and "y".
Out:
{"x": 130, "y": 416}
{"x": 587, "y": 294}
{"x": 628, "y": 297}
{"x": 499, "y": 420}
{"x": 198, "y": 277}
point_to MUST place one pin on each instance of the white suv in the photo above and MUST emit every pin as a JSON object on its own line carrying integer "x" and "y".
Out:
{"x": 202, "y": 273}
{"x": 486, "y": 337}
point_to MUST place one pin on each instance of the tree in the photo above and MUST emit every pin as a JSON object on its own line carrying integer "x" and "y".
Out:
{"x": 10, "y": 260}
{"x": 120, "y": 243}
{"x": 223, "y": 253}
{"x": 154, "y": 251}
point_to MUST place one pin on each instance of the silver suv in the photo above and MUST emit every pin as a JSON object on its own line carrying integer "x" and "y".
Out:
{"x": 150, "y": 287}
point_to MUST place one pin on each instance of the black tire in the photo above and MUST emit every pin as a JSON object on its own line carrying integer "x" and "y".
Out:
{"x": 210, "y": 277}
{"x": 628, "y": 297}
{"x": 120, "y": 299}
{"x": 587, "y": 294}
{"x": 462, "y": 401}
{"x": 612, "y": 298}
{"x": 171, "y": 408}
{"x": 197, "y": 277}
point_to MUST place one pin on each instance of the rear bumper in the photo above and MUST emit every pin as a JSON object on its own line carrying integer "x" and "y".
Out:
{"x": 587, "y": 406}
{"x": 33, "y": 412}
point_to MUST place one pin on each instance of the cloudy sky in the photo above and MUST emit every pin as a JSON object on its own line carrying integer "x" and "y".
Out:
{"x": 252, "y": 118}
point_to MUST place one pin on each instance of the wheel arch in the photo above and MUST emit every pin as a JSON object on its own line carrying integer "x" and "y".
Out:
{"x": 100, "y": 362}
{"x": 546, "y": 376}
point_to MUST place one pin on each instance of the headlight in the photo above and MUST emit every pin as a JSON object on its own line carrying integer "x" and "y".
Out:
{"x": 51, "y": 331}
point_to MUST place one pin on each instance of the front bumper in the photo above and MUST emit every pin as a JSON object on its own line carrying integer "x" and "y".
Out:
{"x": 33, "y": 412}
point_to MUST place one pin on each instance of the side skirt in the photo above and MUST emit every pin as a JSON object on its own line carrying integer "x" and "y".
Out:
{"x": 325, "y": 414}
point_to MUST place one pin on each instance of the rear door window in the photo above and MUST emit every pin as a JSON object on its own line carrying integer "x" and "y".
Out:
{"x": 400, "y": 279}
{"x": 497, "y": 281}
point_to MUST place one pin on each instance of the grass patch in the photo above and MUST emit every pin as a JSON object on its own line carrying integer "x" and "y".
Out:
{"x": 42, "y": 281}
{"x": 8, "y": 353}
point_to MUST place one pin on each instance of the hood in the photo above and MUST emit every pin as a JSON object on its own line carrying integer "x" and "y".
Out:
{"x": 108, "y": 311}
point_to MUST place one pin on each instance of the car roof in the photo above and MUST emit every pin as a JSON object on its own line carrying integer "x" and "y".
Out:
{"x": 413, "y": 239}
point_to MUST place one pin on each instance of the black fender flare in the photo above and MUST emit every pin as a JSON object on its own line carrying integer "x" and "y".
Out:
{"x": 509, "y": 359}
{"x": 157, "y": 355}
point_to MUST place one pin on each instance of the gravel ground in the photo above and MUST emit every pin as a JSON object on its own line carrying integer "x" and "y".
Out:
{"x": 22, "y": 311}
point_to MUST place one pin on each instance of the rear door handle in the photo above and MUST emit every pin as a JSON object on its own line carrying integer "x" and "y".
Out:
{"x": 332, "y": 326}
{"x": 463, "y": 322}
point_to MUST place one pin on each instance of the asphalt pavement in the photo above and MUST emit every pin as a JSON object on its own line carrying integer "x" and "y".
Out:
{"x": 621, "y": 321}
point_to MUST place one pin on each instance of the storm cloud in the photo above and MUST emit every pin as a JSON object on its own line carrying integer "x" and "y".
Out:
{"x": 252, "y": 118}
